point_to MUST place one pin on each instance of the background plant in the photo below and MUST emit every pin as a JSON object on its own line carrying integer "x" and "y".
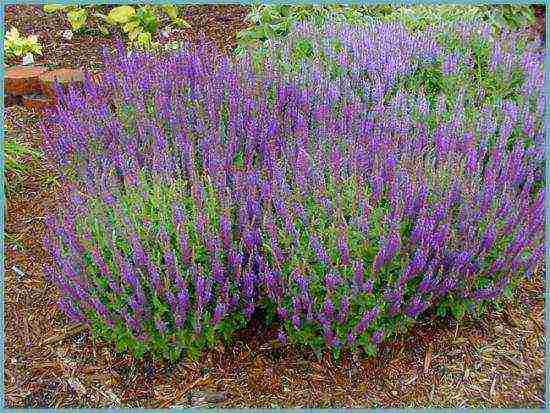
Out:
{"x": 270, "y": 22}
{"x": 444, "y": 64}
{"x": 16, "y": 45}
{"x": 77, "y": 15}
{"x": 138, "y": 23}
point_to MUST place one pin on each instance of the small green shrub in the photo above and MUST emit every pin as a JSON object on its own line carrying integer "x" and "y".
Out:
{"x": 16, "y": 46}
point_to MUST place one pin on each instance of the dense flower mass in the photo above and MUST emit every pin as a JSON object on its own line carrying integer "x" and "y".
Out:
{"x": 345, "y": 204}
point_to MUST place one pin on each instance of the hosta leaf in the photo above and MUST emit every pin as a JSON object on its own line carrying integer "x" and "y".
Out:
{"x": 135, "y": 33}
{"x": 77, "y": 18}
{"x": 121, "y": 14}
{"x": 171, "y": 10}
{"x": 130, "y": 26}
{"x": 52, "y": 8}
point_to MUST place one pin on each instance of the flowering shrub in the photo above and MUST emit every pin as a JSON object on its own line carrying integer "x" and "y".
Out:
{"x": 370, "y": 223}
{"x": 201, "y": 189}
{"x": 156, "y": 267}
{"x": 379, "y": 59}
{"x": 151, "y": 252}
{"x": 462, "y": 66}
{"x": 275, "y": 21}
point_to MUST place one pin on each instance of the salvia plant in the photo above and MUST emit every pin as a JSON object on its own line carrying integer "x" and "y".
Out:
{"x": 201, "y": 189}
{"x": 272, "y": 22}
{"x": 377, "y": 60}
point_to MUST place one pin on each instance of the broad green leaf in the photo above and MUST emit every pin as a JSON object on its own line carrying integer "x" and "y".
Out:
{"x": 144, "y": 39}
{"x": 52, "y": 8}
{"x": 121, "y": 14}
{"x": 77, "y": 18}
{"x": 171, "y": 10}
{"x": 130, "y": 26}
{"x": 134, "y": 33}
{"x": 458, "y": 310}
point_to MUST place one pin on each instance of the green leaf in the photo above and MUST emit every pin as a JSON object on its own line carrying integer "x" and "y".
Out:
{"x": 370, "y": 349}
{"x": 171, "y": 10}
{"x": 441, "y": 311}
{"x": 121, "y": 15}
{"x": 130, "y": 26}
{"x": 458, "y": 309}
{"x": 77, "y": 18}
{"x": 135, "y": 33}
{"x": 52, "y": 8}
{"x": 508, "y": 292}
{"x": 174, "y": 354}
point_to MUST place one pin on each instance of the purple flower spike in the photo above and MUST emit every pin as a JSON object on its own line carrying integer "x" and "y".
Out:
{"x": 377, "y": 337}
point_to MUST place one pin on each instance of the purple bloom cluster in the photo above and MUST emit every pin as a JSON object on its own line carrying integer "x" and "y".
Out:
{"x": 200, "y": 188}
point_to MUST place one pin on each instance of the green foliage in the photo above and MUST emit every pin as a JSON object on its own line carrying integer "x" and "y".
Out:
{"x": 512, "y": 16}
{"x": 139, "y": 24}
{"x": 18, "y": 159}
{"x": 76, "y": 14}
{"x": 275, "y": 21}
{"x": 500, "y": 17}
{"x": 52, "y": 8}
{"x": 77, "y": 18}
{"x": 121, "y": 15}
{"x": 16, "y": 46}
{"x": 14, "y": 152}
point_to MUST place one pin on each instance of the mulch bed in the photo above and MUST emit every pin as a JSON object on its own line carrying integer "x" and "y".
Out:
{"x": 540, "y": 23}
{"x": 494, "y": 362}
{"x": 219, "y": 23}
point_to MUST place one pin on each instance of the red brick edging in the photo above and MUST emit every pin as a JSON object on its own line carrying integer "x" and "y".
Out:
{"x": 32, "y": 85}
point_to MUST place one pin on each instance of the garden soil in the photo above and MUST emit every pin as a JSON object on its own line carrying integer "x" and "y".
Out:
{"x": 494, "y": 362}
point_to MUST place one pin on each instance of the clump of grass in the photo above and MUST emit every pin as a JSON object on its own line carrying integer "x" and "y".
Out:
{"x": 18, "y": 160}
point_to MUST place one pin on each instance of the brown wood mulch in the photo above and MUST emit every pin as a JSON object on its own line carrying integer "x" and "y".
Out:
{"x": 219, "y": 23}
{"x": 539, "y": 25}
{"x": 494, "y": 362}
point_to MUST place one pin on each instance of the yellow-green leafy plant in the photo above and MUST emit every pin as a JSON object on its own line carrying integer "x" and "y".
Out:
{"x": 142, "y": 23}
{"x": 138, "y": 23}
{"x": 171, "y": 11}
{"x": 16, "y": 45}
{"x": 76, "y": 14}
